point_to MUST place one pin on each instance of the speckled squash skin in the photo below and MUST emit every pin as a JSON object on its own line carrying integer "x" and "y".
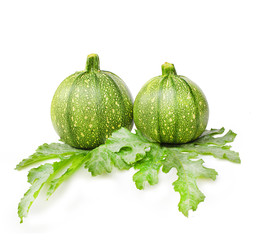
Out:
{"x": 171, "y": 108}
{"x": 89, "y": 105}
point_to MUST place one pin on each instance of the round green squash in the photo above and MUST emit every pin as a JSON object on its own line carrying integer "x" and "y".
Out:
{"x": 89, "y": 105}
{"x": 171, "y": 108}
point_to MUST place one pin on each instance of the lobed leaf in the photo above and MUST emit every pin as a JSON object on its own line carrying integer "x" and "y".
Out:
{"x": 221, "y": 152}
{"x": 130, "y": 147}
{"x": 75, "y": 161}
{"x": 46, "y": 175}
{"x": 188, "y": 171}
{"x": 209, "y": 139}
{"x": 48, "y": 151}
{"x": 37, "y": 177}
{"x": 124, "y": 150}
{"x": 215, "y": 146}
{"x": 101, "y": 161}
{"x": 149, "y": 167}
{"x": 213, "y": 131}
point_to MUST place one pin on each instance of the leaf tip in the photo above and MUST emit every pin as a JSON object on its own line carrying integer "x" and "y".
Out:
{"x": 18, "y": 167}
{"x": 139, "y": 186}
{"x": 185, "y": 213}
{"x": 222, "y": 129}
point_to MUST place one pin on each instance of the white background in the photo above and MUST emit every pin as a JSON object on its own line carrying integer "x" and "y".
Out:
{"x": 211, "y": 42}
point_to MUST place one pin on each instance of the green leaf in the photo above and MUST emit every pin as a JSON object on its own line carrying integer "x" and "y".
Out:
{"x": 121, "y": 150}
{"x": 101, "y": 161}
{"x": 75, "y": 161}
{"x": 149, "y": 167}
{"x": 209, "y": 139}
{"x": 188, "y": 171}
{"x": 48, "y": 151}
{"x": 130, "y": 147}
{"x": 213, "y": 131}
{"x": 175, "y": 153}
{"x": 124, "y": 150}
{"x": 215, "y": 146}
{"x": 37, "y": 178}
{"x": 141, "y": 136}
{"x": 222, "y": 152}
{"x": 47, "y": 175}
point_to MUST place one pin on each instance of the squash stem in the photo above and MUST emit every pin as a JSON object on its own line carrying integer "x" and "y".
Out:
{"x": 168, "y": 68}
{"x": 92, "y": 63}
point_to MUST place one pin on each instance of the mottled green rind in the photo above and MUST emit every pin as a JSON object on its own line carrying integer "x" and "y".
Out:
{"x": 89, "y": 105}
{"x": 171, "y": 109}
